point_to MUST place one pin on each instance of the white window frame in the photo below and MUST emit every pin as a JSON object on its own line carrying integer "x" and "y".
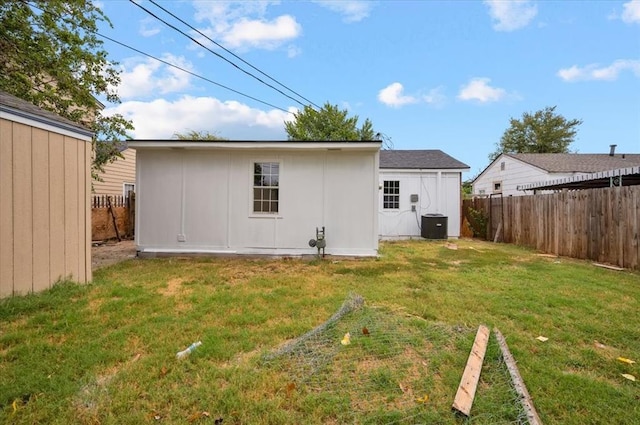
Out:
{"x": 277, "y": 187}
{"x": 124, "y": 188}
{"x": 493, "y": 185}
{"x": 394, "y": 198}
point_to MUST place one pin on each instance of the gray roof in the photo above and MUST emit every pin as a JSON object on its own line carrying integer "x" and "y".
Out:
{"x": 17, "y": 106}
{"x": 577, "y": 162}
{"x": 629, "y": 176}
{"x": 419, "y": 159}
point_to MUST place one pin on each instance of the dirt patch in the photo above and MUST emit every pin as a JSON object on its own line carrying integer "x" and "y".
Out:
{"x": 173, "y": 287}
{"x": 111, "y": 253}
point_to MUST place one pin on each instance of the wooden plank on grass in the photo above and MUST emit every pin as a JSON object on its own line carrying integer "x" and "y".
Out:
{"x": 607, "y": 266}
{"x": 469, "y": 382}
{"x": 518, "y": 383}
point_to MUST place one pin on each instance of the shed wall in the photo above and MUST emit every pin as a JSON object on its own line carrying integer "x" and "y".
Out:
{"x": 201, "y": 201}
{"x": 44, "y": 208}
{"x": 438, "y": 193}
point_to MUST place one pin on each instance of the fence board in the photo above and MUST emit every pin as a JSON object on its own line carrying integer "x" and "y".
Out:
{"x": 634, "y": 252}
{"x": 102, "y": 227}
{"x": 598, "y": 224}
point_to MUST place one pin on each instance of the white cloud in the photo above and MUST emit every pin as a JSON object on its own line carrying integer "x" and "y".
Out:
{"x": 160, "y": 118}
{"x": 596, "y": 72}
{"x": 393, "y": 96}
{"x": 352, "y": 11}
{"x": 478, "y": 89}
{"x": 243, "y": 24}
{"x": 148, "y": 27}
{"x": 631, "y": 13}
{"x": 510, "y": 15}
{"x": 142, "y": 78}
{"x": 261, "y": 34}
{"x": 435, "y": 96}
{"x": 293, "y": 51}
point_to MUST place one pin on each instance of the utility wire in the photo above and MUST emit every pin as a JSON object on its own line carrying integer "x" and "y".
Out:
{"x": 165, "y": 62}
{"x": 233, "y": 54}
{"x": 191, "y": 73}
{"x": 215, "y": 53}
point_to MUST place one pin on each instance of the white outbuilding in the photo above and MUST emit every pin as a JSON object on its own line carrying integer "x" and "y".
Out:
{"x": 256, "y": 197}
{"x": 420, "y": 194}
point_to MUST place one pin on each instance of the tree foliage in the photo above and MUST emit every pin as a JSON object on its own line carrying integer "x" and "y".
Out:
{"x": 197, "y": 135}
{"x": 327, "y": 124}
{"x": 541, "y": 132}
{"x": 51, "y": 56}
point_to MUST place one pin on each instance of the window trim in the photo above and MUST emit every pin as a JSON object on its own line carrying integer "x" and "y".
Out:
{"x": 394, "y": 198}
{"x": 252, "y": 187}
{"x": 124, "y": 188}
{"x": 499, "y": 190}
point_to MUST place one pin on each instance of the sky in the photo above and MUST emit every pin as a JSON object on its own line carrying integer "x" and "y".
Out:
{"x": 444, "y": 75}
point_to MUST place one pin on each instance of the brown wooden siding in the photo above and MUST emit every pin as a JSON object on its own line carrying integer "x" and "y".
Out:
{"x": 122, "y": 170}
{"x": 6, "y": 208}
{"x": 45, "y": 226}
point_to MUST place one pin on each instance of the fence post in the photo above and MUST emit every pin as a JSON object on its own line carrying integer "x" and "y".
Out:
{"x": 131, "y": 211}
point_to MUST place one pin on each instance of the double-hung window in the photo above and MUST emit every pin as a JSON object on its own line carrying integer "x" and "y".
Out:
{"x": 266, "y": 181}
{"x": 391, "y": 195}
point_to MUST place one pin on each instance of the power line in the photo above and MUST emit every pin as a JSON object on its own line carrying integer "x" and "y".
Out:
{"x": 233, "y": 54}
{"x": 165, "y": 62}
{"x": 215, "y": 53}
{"x": 191, "y": 73}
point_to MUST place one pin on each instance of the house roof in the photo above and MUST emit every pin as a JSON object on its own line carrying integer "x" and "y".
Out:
{"x": 23, "y": 109}
{"x": 419, "y": 159}
{"x": 620, "y": 177}
{"x": 577, "y": 162}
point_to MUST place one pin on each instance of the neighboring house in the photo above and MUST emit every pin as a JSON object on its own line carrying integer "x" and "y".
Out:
{"x": 415, "y": 183}
{"x": 509, "y": 172}
{"x": 629, "y": 176}
{"x": 119, "y": 176}
{"x": 256, "y": 197}
{"x": 45, "y": 185}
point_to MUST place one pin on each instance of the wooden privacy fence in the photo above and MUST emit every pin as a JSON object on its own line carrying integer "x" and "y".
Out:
{"x": 112, "y": 217}
{"x": 602, "y": 225}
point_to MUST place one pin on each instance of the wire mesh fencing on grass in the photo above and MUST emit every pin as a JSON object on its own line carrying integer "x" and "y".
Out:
{"x": 366, "y": 364}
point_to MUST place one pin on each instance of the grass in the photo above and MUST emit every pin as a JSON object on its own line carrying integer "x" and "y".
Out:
{"x": 105, "y": 352}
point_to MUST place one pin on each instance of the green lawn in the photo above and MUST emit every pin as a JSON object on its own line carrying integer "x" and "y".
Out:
{"x": 105, "y": 352}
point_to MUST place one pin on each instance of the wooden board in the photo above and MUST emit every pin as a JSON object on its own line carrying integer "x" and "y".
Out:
{"x": 606, "y": 266}
{"x": 6, "y": 208}
{"x": 518, "y": 383}
{"x": 469, "y": 382}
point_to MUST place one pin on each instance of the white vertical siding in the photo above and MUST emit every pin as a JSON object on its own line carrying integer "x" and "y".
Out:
{"x": 207, "y": 196}
{"x": 350, "y": 187}
{"x": 438, "y": 193}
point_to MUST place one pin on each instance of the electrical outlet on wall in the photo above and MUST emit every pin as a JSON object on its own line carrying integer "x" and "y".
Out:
{"x": 413, "y": 208}
{"x": 182, "y": 238}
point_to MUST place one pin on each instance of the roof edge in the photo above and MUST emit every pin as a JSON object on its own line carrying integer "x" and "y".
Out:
{"x": 49, "y": 124}
{"x": 255, "y": 144}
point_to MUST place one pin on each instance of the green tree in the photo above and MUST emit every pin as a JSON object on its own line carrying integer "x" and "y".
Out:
{"x": 197, "y": 135}
{"x": 329, "y": 123}
{"x": 51, "y": 56}
{"x": 541, "y": 132}
{"x": 467, "y": 189}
